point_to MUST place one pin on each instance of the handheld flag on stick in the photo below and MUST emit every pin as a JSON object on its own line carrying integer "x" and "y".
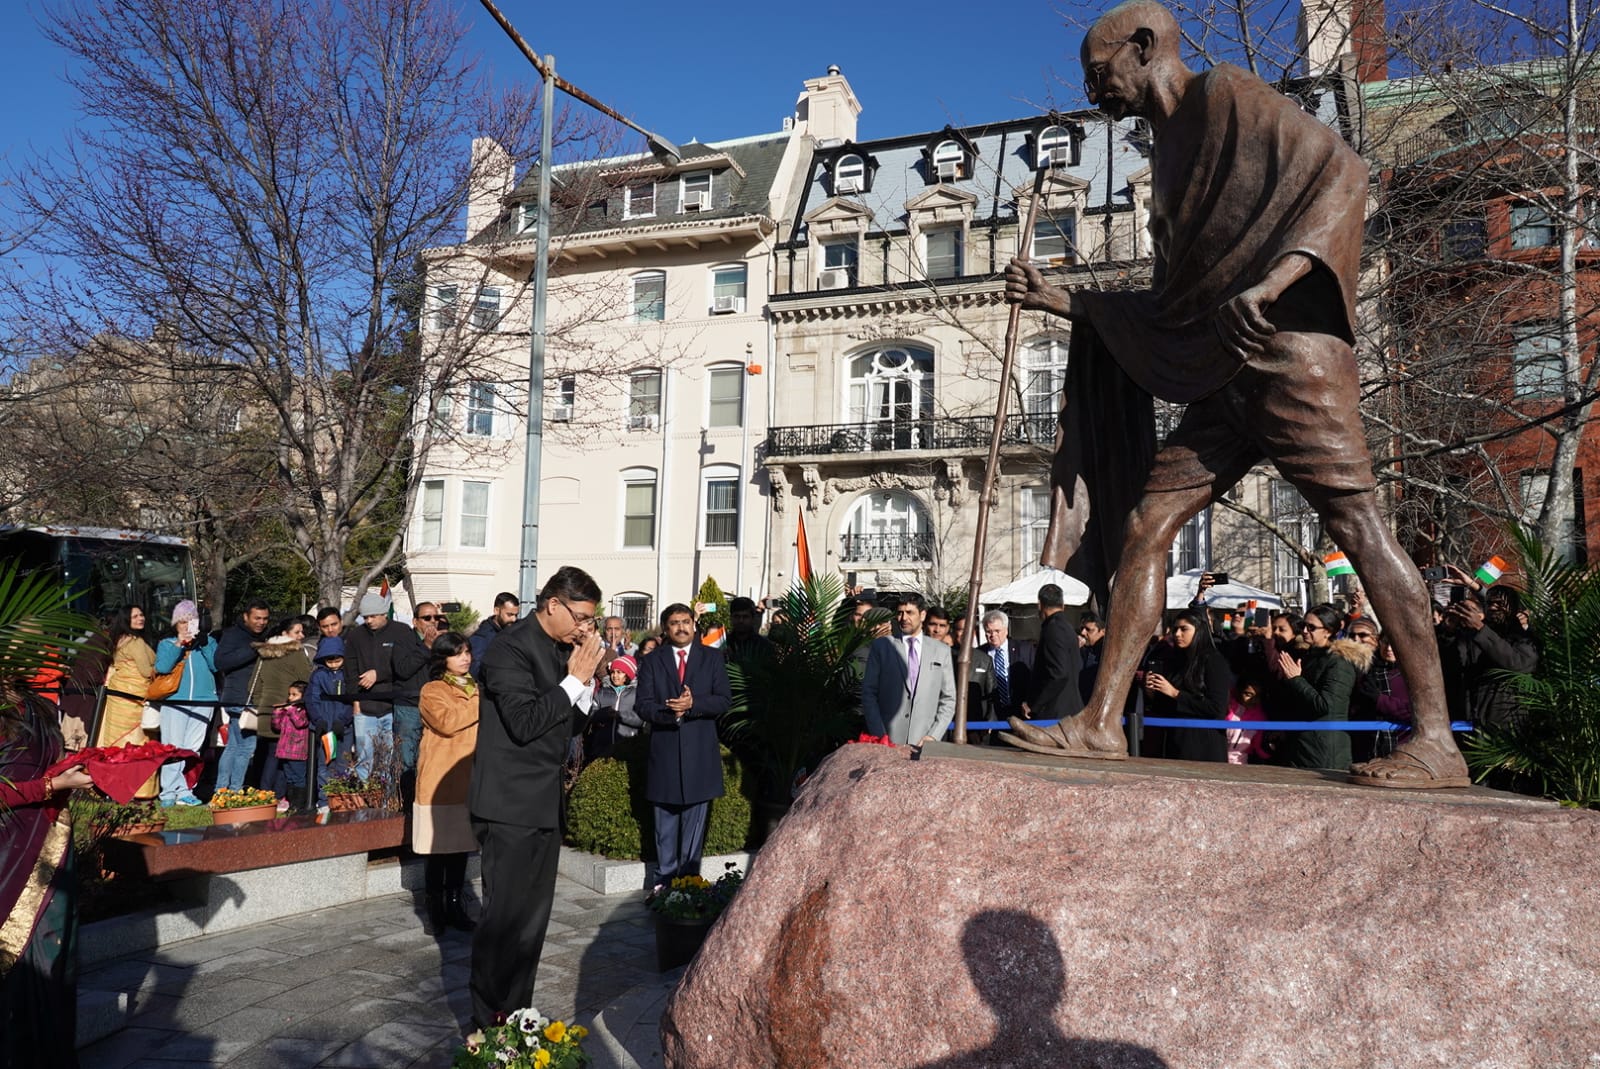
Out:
{"x": 1490, "y": 571}
{"x": 330, "y": 747}
{"x": 1337, "y": 564}
{"x": 383, "y": 592}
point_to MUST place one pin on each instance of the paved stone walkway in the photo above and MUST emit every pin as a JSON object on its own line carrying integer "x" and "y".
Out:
{"x": 362, "y": 986}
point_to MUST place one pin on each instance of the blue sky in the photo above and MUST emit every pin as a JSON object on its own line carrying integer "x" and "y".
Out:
{"x": 708, "y": 70}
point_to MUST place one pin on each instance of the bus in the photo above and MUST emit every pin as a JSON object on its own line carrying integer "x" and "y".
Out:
{"x": 107, "y": 568}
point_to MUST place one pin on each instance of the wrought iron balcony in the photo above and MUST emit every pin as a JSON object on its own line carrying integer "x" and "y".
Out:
{"x": 886, "y": 547}
{"x": 883, "y": 436}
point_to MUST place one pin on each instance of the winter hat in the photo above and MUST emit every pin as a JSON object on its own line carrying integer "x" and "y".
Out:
{"x": 330, "y": 646}
{"x": 185, "y": 610}
{"x": 627, "y": 666}
{"x": 373, "y": 605}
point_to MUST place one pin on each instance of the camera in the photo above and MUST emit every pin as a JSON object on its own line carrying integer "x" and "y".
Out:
{"x": 1433, "y": 575}
{"x": 1219, "y": 578}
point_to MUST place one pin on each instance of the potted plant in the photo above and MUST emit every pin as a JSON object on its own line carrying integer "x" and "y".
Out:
{"x": 237, "y": 806}
{"x": 135, "y": 818}
{"x": 685, "y": 910}
{"x": 351, "y": 791}
{"x": 524, "y": 1040}
{"x": 802, "y": 701}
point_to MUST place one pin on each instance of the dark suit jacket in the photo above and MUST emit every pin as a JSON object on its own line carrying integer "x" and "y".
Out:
{"x": 1019, "y": 675}
{"x": 525, "y": 721}
{"x": 1056, "y": 671}
{"x": 685, "y": 760}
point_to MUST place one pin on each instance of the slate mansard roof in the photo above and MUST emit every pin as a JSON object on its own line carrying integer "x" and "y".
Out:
{"x": 588, "y": 197}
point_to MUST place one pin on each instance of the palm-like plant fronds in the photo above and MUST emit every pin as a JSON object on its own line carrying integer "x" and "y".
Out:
{"x": 793, "y": 707}
{"x": 1556, "y": 742}
{"x": 37, "y": 629}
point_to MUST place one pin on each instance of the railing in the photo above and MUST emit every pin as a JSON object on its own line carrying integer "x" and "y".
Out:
{"x": 886, "y": 547}
{"x": 964, "y": 432}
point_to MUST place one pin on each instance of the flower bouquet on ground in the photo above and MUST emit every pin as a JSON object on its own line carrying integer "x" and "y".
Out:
{"x": 525, "y": 1041}
{"x": 695, "y": 898}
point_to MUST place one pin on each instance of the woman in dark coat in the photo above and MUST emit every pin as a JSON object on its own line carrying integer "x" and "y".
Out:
{"x": 1318, "y": 687}
{"x": 1197, "y": 689}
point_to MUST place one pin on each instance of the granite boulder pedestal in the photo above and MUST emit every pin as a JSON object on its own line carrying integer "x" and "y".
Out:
{"x": 980, "y": 909}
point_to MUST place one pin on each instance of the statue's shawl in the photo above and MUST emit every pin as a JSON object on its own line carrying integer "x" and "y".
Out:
{"x": 1240, "y": 177}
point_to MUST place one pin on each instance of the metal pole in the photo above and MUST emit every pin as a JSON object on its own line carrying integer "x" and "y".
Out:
{"x": 991, "y": 470}
{"x": 528, "y": 585}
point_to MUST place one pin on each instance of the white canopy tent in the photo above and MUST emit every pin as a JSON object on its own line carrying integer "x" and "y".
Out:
{"x": 1181, "y": 588}
{"x": 1025, "y": 590}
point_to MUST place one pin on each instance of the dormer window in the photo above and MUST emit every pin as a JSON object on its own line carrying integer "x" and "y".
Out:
{"x": 1056, "y": 147}
{"x": 849, "y": 175}
{"x": 527, "y": 217}
{"x": 639, "y": 201}
{"x": 949, "y": 161}
{"x": 695, "y": 191}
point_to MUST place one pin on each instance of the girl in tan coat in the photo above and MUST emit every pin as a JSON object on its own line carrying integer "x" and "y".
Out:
{"x": 440, "y": 826}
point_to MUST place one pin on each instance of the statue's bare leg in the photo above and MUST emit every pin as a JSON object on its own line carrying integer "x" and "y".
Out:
{"x": 1137, "y": 598}
{"x": 1428, "y": 757}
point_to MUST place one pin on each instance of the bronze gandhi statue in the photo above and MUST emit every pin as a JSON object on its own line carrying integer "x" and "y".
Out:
{"x": 1256, "y": 212}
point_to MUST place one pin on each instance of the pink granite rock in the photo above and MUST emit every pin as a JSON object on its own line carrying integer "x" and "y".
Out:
{"x": 985, "y": 912}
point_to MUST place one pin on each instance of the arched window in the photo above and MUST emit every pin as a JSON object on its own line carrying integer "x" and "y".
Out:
{"x": 1044, "y": 374}
{"x": 888, "y": 525}
{"x": 638, "y": 508}
{"x": 949, "y": 160}
{"x": 1055, "y": 147}
{"x": 849, "y": 174}
{"x": 719, "y": 500}
{"x": 649, "y": 296}
{"x": 890, "y": 394}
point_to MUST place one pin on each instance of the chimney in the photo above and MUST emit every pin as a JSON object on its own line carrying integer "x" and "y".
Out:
{"x": 828, "y": 108}
{"x": 493, "y": 177}
{"x": 1329, "y": 29}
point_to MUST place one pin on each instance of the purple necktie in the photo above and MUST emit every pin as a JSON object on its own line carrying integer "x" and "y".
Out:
{"x": 912, "y": 665}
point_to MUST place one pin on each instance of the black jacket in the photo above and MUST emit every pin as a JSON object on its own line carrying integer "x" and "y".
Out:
{"x": 1055, "y": 671}
{"x": 412, "y": 661}
{"x": 235, "y": 659}
{"x": 1021, "y": 685}
{"x": 685, "y": 760}
{"x": 479, "y": 640}
{"x": 1208, "y": 701}
{"x": 366, "y": 649}
{"x": 525, "y": 721}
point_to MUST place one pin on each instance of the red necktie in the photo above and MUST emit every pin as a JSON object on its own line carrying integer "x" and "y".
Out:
{"x": 683, "y": 664}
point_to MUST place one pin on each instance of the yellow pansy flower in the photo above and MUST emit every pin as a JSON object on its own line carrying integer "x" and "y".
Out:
{"x": 578, "y": 1031}
{"x": 555, "y": 1031}
{"x": 541, "y": 1058}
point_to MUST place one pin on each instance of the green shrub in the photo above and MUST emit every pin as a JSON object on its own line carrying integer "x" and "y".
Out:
{"x": 607, "y": 813}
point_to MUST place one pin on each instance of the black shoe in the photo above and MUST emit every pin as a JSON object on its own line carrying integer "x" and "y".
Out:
{"x": 456, "y": 913}
{"x": 435, "y": 918}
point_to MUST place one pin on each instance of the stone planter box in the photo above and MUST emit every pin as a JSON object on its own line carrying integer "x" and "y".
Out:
{"x": 245, "y": 814}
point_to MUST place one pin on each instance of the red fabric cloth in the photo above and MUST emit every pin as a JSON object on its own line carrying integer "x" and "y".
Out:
{"x": 120, "y": 771}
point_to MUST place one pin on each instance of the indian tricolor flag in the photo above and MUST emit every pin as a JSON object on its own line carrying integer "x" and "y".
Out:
{"x": 330, "y": 747}
{"x": 1490, "y": 571}
{"x": 1337, "y": 564}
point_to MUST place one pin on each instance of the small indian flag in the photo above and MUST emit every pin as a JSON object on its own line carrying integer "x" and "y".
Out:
{"x": 1490, "y": 571}
{"x": 330, "y": 747}
{"x": 1337, "y": 564}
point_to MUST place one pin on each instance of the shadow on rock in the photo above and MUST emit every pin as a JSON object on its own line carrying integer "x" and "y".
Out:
{"x": 1016, "y": 965}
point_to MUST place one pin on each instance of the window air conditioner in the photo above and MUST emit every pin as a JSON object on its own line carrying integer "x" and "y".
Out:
{"x": 847, "y": 185}
{"x": 1056, "y": 156}
{"x": 695, "y": 202}
{"x": 643, "y": 423}
{"x": 949, "y": 169}
{"x": 724, "y": 305}
{"x": 561, "y": 414}
{"x": 836, "y": 279}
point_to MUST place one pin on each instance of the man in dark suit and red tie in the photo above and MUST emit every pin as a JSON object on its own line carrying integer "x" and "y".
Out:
{"x": 683, "y": 688}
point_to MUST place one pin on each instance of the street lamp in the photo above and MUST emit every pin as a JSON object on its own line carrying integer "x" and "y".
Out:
{"x": 528, "y": 580}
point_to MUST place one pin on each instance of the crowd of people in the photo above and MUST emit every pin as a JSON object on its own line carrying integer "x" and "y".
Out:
{"x": 482, "y": 733}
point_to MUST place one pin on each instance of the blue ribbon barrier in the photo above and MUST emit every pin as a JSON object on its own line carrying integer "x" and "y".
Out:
{"x": 1241, "y": 725}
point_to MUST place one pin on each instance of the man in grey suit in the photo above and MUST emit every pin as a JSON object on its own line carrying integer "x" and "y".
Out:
{"x": 909, "y": 691}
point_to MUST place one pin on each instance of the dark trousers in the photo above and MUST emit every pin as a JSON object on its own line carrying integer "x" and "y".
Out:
{"x": 444, "y": 872}
{"x": 680, "y": 839}
{"x": 519, "y": 884}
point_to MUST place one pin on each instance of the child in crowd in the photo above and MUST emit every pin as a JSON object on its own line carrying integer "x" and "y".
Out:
{"x": 1246, "y": 705}
{"x": 613, "y": 716}
{"x": 292, "y": 723}
{"x": 329, "y": 710}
